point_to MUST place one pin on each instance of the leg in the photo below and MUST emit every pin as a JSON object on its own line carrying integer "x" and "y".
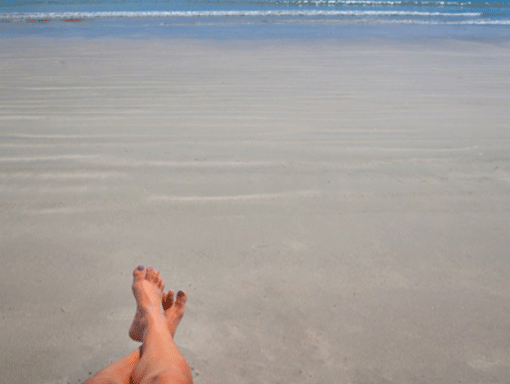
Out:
{"x": 120, "y": 371}
{"x": 161, "y": 360}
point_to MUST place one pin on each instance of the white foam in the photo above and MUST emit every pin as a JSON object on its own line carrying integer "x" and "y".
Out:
{"x": 442, "y": 22}
{"x": 74, "y": 16}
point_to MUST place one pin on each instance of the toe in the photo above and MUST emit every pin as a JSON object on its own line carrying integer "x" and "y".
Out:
{"x": 150, "y": 274}
{"x": 139, "y": 272}
{"x": 157, "y": 279}
{"x": 181, "y": 299}
{"x": 168, "y": 299}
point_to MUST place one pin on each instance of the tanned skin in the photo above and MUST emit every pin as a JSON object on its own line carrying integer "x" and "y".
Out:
{"x": 158, "y": 360}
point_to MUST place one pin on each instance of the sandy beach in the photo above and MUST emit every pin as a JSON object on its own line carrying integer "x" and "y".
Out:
{"x": 337, "y": 211}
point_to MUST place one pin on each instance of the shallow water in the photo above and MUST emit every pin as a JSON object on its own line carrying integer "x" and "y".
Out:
{"x": 257, "y": 19}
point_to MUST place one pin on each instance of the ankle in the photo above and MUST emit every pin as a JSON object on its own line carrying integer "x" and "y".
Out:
{"x": 156, "y": 319}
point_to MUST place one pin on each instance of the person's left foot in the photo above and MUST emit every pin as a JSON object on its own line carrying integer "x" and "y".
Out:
{"x": 174, "y": 311}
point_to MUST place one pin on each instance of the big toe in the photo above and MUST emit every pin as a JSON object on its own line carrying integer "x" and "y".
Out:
{"x": 168, "y": 299}
{"x": 139, "y": 273}
{"x": 180, "y": 302}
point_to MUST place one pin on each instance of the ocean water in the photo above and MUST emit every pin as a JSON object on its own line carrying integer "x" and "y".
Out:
{"x": 256, "y": 18}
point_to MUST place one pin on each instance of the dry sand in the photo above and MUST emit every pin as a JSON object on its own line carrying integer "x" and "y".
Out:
{"x": 338, "y": 212}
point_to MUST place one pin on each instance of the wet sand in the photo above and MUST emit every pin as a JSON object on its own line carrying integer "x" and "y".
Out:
{"x": 338, "y": 212}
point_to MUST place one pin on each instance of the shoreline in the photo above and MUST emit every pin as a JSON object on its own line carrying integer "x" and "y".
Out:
{"x": 158, "y": 29}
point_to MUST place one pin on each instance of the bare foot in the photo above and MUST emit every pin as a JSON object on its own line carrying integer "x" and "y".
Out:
{"x": 148, "y": 291}
{"x": 174, "y": 311}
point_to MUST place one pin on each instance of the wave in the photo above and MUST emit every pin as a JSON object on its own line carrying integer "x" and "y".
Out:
{"x": 382, "y": 3}
{"x": 375, "y": 22}
{"x": 74, "y": 16}
{"x": 437, "y": 22}
{"x": 264, "y": 3}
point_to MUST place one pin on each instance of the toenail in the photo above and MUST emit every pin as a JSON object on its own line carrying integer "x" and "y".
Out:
{"x": 140, "y": 267}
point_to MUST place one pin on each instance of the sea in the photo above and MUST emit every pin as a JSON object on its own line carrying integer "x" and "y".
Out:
{"x": 248, "y": 19}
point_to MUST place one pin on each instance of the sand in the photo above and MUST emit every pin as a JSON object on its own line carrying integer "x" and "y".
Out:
{"x": 337, "y": 211}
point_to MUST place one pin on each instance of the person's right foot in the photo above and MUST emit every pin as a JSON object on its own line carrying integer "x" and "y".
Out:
{"x": 148, "y": 291}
